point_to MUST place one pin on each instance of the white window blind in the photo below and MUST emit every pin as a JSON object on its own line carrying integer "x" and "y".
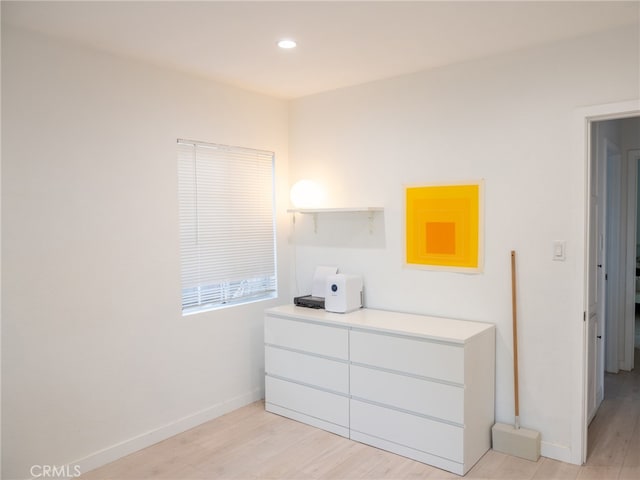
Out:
{"x": 227, "y": 231}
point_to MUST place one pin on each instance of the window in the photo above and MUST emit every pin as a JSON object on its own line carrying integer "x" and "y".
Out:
{"x": 227, "y": 231}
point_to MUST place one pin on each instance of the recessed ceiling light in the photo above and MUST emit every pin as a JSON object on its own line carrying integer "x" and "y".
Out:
{"x": 287, "y": 43}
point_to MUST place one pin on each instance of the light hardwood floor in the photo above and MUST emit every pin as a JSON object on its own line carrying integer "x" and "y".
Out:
{"x": 251, "y": 444}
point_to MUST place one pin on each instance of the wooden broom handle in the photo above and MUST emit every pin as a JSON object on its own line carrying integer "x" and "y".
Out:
{"x": 515, "y": 335}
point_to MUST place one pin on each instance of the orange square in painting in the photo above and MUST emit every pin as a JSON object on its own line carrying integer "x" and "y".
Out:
{"x": 443, "y": 227}
{"x": 440, "y": 237}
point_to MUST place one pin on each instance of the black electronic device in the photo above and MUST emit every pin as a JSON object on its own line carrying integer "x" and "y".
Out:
{"x": 309, "y": 301}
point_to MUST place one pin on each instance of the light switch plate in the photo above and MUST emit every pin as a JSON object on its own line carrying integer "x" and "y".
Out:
{"x": 559, "y": 250}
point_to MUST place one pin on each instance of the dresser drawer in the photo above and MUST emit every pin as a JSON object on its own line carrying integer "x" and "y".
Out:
{"x": 317, "y": 371}
{"x": 418, "y": 357}
{"x": 325, "y": 406}
{"x": 435, "y": 438}
{"x": 307, "y": 337}
{"x": 425, "y": 397}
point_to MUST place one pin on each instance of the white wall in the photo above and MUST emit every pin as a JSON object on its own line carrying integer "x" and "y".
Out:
{"x": 95, "y": 351}
{"x": 509, "y": 120}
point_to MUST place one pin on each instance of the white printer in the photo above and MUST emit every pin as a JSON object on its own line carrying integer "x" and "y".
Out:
{"x": 343, "y": 293}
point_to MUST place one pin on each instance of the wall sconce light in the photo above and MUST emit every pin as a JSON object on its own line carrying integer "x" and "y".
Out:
{"x": 307, "y": 194}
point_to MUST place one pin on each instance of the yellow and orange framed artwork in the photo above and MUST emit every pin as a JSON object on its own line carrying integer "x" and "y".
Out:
{"x": 444, "y": 227}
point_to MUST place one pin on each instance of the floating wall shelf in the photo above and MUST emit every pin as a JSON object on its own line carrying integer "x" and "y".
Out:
{"x": 315, "y": 211}
{"x": 335, "y": 210}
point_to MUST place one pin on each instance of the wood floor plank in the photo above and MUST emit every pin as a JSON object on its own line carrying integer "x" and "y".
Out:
{"x": 554, "y": 470}
{"x": 632, "y": 458}
{"x": 319, "y": 465}
{"x": 488, "y": 465}
{"x": 629, "y": 473}
{"x": 359, "y": 465}
{"x": 515, "y": 468}
{"x": 588, "y": 472}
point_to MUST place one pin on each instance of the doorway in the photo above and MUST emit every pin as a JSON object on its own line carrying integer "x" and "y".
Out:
{"x": 615, "y": 147}
{"x": 613, "y": 254}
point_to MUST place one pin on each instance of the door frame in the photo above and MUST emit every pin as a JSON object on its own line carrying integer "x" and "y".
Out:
{"x": 583, "y": 119}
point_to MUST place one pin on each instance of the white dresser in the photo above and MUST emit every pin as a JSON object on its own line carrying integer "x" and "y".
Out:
{"x": 418, "y": 386}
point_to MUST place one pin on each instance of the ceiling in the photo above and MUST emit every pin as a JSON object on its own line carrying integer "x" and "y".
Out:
{"x": 339, "y": 43}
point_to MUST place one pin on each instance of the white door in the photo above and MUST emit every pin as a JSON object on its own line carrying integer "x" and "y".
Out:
{"x": 596, "y": 290}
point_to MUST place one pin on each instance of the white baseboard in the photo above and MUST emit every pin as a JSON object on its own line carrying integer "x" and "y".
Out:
{"x": 144, "y": 440}
{"x": 561, "y": 453}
